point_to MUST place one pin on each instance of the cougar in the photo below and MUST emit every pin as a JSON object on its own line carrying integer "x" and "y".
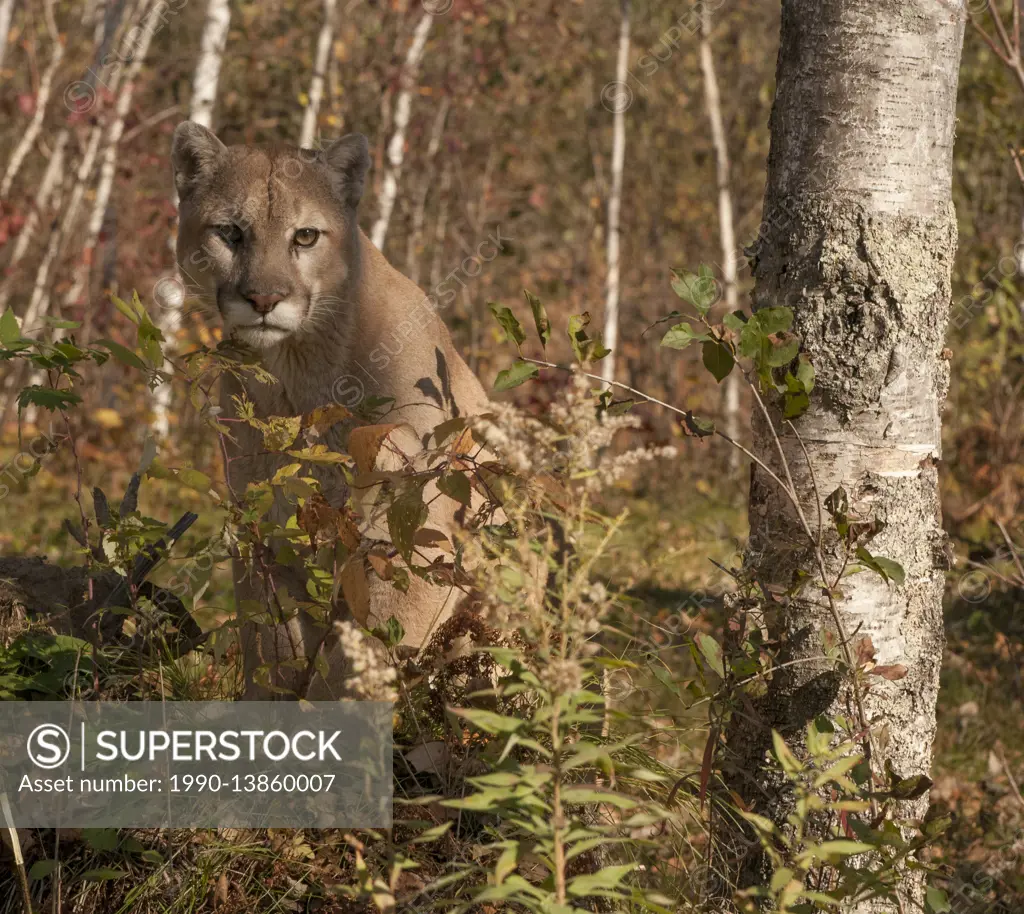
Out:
{"x": 268, "y": 239}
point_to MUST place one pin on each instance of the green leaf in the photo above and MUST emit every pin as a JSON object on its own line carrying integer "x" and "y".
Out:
{"x": 796, "y": 404}
{"x": 681, "y": 335}
{"x": 699, "y": 289}
{"x": 490, "y": 721}
{"x": 842, "y": 848}
{"x": 735, "y": 321}
{"x": 783, "y": 353}
{"x": 886, "y": 568}
{"x": 773, "y": 320}
{"x": 513, "y": 329}
{"x": 783, "y": 754}
{"x": 540, "y": 318}
{"x": 406, "y": 514}
{"x": 701, "y": 428}
{"x": 717, "y": 359}
{"x": 519, "y": 373}
{"x": 711, "y": 650}
{"x": 193, "y": 479}
{"x": 123, "y": 354}
{"x": 584, "y": 348}
{"x": 47, "y": 398}
{"x": 41, "y": 869}
{"x": 584, "y": 795}
{"x": 805, "y": 373}
{"x": 100, "y": 839}
{"x": 752, "y": 341}
{"x": 456, "y": 486}
{"x": 395, "y": 632}
{"x": 936, "y": 901}
{"x": 604, "y": 880}
{"x": 126, "y": 309}
{"x": 10, "y": 330}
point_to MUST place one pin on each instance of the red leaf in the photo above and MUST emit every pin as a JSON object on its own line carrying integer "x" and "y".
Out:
{"x": 892, "y": 672}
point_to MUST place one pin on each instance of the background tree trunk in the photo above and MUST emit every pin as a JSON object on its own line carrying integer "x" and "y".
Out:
{"x": 618, "y": 102}
{"x": 6, "y": 14}
{"x": 396, "y": 146}
{"x": 858, "y": 238}
{"x": 316, "y": 84}
{"x": 726, "y": 223}
{"x": 204, "y": 96}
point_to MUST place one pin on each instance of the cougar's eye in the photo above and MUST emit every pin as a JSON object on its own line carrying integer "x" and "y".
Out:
{"x": 306, "y": 237}
{"x": 231, "y": 234}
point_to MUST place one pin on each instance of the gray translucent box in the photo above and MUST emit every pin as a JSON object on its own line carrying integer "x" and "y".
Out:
{"x": 203, "y": 764}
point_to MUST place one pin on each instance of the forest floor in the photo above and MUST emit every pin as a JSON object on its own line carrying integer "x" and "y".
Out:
{"x": 664, "y": 562}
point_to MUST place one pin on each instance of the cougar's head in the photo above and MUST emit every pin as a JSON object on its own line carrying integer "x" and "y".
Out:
{"x": 267, "y": 236}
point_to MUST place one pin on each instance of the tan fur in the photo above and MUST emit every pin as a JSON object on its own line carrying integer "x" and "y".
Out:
{"x": 352, "y": 326}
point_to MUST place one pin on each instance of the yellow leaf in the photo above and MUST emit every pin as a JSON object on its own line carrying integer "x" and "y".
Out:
{"x": 106, "y": 417}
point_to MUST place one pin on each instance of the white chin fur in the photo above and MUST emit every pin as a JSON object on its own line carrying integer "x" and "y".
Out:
{"x": 245, "y": 324}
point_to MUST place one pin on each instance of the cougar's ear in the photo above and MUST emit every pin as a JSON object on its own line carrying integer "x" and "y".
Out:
{"x": 348, "y": 159}
{"x": 195, "y": 152}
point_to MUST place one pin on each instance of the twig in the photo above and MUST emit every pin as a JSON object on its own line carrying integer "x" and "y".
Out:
{"x": 1013, "y": 550}
{"x": 19, "y": 859}
{"x": 1009, "y": 775}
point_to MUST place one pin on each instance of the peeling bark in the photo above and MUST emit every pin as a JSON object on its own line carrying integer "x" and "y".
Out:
{"x": 858, "y": 240}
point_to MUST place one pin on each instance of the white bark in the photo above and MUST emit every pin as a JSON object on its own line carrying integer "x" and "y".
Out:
{"x": 211, "y": 56}
{"x": 860, "y": 238}
{"x": 611, "y": 304}
{"x": 205, "y": 82}
{"x": 396, "y": 147}
{"x": 108, "y": 165}
{"x": 42, "y": 100}
{"x": 316, "y": 85}
{"x": 726, "y": 230}
{"x": 39, "y": 302}
{"x": 6, "y": 14}
{"x": 51, "y": 178}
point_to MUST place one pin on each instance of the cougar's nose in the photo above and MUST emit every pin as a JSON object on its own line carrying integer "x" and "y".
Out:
{"x": 264, "y": 304}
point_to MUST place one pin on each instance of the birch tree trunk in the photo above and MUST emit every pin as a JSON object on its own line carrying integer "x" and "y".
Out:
{"x": 858, "y": 239}
{"x": 619, "y": 103}
{"x": 316, "y": 85}
{"x": 108, "y": 164}
{"x": 204, "y": 96}
{"x": 726, "y": 229}
{"x": 6, "y": 14}
{"x": 51, "y": 177}
{"x": 211, "y": 56}
{"x": 396, "y": 147}
{"x": 42, "y": 100}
